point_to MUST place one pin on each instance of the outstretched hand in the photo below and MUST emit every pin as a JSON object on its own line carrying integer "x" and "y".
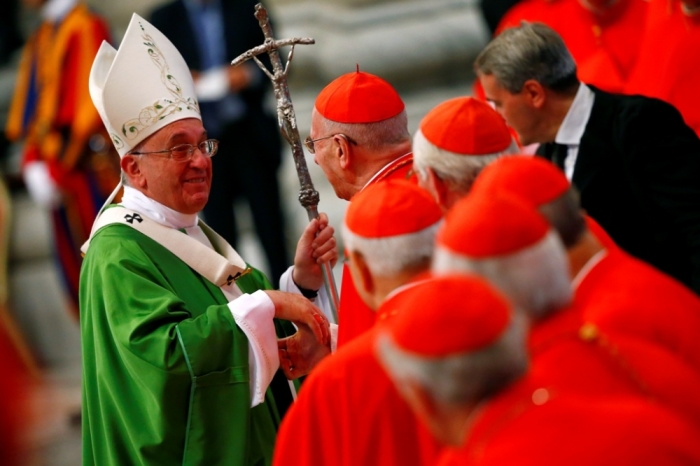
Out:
{"x": 300, "y": 353}
{"x": 316, "y": 247}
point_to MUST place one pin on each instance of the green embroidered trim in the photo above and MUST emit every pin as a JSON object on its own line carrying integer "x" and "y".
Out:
{"x": 118, "y": 143}
{"x": 161, "y": 108}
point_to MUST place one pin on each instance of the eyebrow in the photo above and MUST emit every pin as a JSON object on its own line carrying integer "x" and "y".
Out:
{"x": 180, "y": 134}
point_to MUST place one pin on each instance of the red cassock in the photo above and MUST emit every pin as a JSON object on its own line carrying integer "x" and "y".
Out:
{"x": 604, "y": 46}
{"x": 668, "y": 66}
{"x": 583, "y": 359}
{"x": 623, "y": 295}
{"x": 354, "y": 316}
{"x": 527, "y": 426}
{"x": 348, "y": 413}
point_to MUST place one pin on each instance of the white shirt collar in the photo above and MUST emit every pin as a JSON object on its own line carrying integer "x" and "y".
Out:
{"x": 135, "y": 200}
{"x": 55, "y": 10}
{"x": 574, "y": 124}
{"x": 586, "y": 269}
{"x": 385, "y": 168}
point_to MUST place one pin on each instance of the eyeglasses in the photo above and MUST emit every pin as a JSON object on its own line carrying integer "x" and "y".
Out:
{"x": 184, "y": 152}
{"x": 309, "y": 143}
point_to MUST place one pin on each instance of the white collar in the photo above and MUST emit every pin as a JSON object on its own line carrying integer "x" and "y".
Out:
{"x": 586, "y": 269}
{"x": 574, "y": 124}
{"x": 404, "y": 287}
{"x": 55, "y": 10}
{"x": 385, "y": 168}
{"x": 136, "y": 200}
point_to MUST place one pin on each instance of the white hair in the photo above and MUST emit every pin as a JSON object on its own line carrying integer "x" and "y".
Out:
{"x": 393, "y": 254}
{"x": 535, "y": 278}
{"x": 375, "y": 136}
{"x": 458, "y": 169}
{"x": 460, "y": 378}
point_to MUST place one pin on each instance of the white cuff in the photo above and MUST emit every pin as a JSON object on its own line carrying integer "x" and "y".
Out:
{"x": 253, "y": 313}
{"x": 42, "y": 188}
{"x": 322, "y": 301}
{"x": 212, "y": 85}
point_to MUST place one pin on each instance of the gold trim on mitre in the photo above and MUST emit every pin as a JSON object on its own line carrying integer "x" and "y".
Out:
{"x": 142, "y": 87}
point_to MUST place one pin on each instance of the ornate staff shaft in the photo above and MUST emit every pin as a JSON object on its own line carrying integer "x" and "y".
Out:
{"x": 308, "y": 196}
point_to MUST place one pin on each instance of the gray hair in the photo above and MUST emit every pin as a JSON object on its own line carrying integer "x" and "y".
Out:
{"x": 536, "y": 278}
{"x": 529, "y": 51}
{"x": 389, "y": 256}
{"x": 564, "y": 214}
{"x": 458, "y": 170}
{"x": 374, "y": 136}
{"x": 461, "y": 378}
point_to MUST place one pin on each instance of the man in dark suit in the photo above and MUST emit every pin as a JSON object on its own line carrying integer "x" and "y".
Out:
{"x": 209, "y": 34}
{"x": 633, "y": 159}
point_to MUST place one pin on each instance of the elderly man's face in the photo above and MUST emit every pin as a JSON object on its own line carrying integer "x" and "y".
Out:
{"x": 326, "y": 157}
{"x": 182, "y": 186}
{"x": 514, "y": 108}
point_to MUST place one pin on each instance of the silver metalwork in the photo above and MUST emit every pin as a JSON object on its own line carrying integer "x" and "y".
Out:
{"x": 308, "y": 196}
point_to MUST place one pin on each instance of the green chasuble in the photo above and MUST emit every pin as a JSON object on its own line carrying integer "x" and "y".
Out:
{"x": 165, "y": 368}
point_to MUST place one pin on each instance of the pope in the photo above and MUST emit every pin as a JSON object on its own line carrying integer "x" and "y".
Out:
{"x": 181, "y": 355}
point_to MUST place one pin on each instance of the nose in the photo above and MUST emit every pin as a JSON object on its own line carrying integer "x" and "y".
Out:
{"x": 199, "y": 160}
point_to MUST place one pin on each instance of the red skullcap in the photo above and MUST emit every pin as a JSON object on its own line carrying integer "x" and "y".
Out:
{"x": 532, "y": 179}
{"x": 359, "y": 97}
{"x": 484, "y": 226}
{"x": 391, "y": 208}
{"x": 447, "y": 315}
{"x": 466, "y": 126}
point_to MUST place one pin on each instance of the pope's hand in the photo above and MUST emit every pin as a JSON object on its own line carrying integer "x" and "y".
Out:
{"x": 315, "y": 248}
{"x": 295, "y": 308}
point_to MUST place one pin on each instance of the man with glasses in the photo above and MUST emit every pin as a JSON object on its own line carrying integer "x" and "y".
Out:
{"x": 180, "y": 352}
{"x": 359, "y": 136}
{"x": 209, "y": 34}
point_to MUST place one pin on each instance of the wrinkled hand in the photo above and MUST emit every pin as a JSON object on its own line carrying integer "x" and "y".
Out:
{"x": 301, "y": 352}
{"x": 295, "y": 308}
{"x": 315, "y": 247}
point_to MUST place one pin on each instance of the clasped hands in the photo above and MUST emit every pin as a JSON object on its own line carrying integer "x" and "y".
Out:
{"x": 302, "y": 351}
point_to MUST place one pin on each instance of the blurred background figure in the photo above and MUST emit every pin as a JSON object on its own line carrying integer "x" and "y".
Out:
{"x": 17, "y": 366}
{"x": 65, "y": 162}
{"x": 668, "y": 66}
{"x": 603, "y": 36}
{"x": 493, "y": 11}
{"x": 209, "y": 34}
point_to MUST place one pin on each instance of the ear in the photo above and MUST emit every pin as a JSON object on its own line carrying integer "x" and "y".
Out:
{"x": 437, "y": 188}
{"x": 362, "y": 275}
{"x": 534, "y": 93}
{"x": 343, "y": 150}
{"x": 131, "y": 167}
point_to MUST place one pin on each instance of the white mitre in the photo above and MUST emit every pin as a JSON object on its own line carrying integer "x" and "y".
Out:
{"x": 142, "y": 87}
